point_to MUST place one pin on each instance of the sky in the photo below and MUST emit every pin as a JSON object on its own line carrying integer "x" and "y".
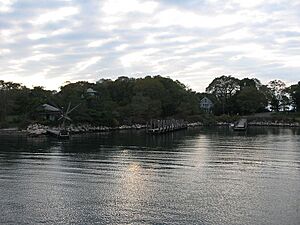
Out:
{"x": 48, "y": 42}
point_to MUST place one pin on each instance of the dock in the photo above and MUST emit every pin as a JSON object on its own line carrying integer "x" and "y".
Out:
{"x": 165, "y": 126}
{"x": 61, "y": 134}
{"x": 241, "y": 125}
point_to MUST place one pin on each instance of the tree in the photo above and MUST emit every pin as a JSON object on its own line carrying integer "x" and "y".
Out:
{"x": 277, "y": 88}
{"x": 9, "y": 94}
{"x": 224, "y": 88}
{"x": 294, "y": 91}
{"x": 250, "y": 82}
{"x": 121, "y": 90}
{"x": 251, "y": 100}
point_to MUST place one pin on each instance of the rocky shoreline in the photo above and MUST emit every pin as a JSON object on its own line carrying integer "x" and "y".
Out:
{"x": 265, "y": 124}
{"x": 253, "y": 123}
{"x": 274, "y": 124}
{"x": 36, "y": 130}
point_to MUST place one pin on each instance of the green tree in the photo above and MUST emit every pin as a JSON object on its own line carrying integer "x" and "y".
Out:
{"x": 294, "y": 91}
{"x": 224, "y": 88}
{"x": 10, "y": 106}
{"x": 277, "y": 88}
{"x": 251, "y": 100}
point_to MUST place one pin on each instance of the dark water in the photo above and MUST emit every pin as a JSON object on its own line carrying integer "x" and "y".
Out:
{"x": 197, "y": 176}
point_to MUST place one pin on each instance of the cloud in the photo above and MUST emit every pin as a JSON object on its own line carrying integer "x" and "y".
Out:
{"x": 6, "y": 6}
{"x": 117, "y": 7}
{"x": 4, "y": 51}
{"x": 98, "y": 43}
{"x": 138, "y": 57}
{"x": 121, "y": 47}
{"x": 49, "y": 42}
{"x": 85, "y": 64}
{"x": 61, "y": 31}
{"x": 187, "y": 19}
{"x": 36, "y": 36}
{"x": 7, "y": 35}
{"x": 32, "y": 58}
{"x": 55, "y": 15}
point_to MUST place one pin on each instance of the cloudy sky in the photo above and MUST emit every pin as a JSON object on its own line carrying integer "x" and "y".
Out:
{"x": 48, "y": 42}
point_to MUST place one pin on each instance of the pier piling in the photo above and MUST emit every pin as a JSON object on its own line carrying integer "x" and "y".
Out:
{"x": 164, "y": 126}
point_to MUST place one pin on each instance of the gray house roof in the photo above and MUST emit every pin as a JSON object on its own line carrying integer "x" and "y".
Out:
{"x": 50, "y": 108}
{"x": 91, "y": 91}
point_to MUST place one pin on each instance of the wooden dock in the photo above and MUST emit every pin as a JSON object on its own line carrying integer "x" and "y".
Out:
{"x": 241, "y": 125}
{"x": 165, "y": 126}
{"x": 61, "y": 134}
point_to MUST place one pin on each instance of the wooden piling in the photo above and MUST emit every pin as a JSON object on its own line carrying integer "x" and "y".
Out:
{"x": 164, "y": 126}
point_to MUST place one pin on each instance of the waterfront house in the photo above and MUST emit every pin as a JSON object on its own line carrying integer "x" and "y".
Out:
{"x": 206, "y": 104}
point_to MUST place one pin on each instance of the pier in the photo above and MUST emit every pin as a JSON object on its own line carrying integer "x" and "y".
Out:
{"x": 241, "y": 125}
{"x": 164, "y": 126}
{"x": 61, "y": 133}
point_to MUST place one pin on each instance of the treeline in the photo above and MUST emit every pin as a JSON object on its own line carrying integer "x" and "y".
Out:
{"x": 128, "y": 100}
{"x": 248, "y": 96}
{"x": 122, "y": 101}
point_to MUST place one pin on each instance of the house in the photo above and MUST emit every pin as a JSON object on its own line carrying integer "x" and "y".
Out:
{"x": 91, "y": 92}
{"x": 206, "y": 104}
{"x": 49, "y": 112}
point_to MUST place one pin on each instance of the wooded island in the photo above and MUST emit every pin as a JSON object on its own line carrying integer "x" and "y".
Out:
{"x": 127, "y": 101}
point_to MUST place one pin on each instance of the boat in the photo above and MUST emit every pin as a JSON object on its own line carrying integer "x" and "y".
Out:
{"x": 61, "y": 134}
{"x": 241, "y": 125}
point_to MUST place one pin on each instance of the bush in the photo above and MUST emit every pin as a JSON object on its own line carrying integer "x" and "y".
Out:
{"x": 227, "y": 118}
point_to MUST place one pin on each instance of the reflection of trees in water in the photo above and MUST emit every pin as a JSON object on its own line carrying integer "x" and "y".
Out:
{"x": 132, "y": 139}
{"x": 131, "y": 146}
{"x": 14, "y": 147}
{"x": 136, "y": 142}
{"x": 251, "y": 131}
{"x": 254, "y": 131}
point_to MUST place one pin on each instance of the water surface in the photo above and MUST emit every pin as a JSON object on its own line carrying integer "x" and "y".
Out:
{"x": 196, "y": 176}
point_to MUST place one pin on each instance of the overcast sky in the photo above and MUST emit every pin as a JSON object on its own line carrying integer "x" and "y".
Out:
{"x": 48, "y": 42}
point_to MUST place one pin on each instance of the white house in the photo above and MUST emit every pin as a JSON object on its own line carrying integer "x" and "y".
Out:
{"x": 206, "y": 104}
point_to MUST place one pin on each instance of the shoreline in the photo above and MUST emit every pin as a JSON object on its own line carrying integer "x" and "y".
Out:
{"x": 37, "y": 130}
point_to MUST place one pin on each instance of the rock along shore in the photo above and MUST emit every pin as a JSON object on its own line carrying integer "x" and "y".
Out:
{"x": 38, "y": 129}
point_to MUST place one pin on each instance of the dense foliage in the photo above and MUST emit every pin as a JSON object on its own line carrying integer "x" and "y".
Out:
{"x": 248, "y": 96}
{"x": 123, "y": 101}
{"x": 128, "y": 100}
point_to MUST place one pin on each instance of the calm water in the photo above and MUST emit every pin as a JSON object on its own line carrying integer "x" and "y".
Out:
{"x": 197, "y": 176}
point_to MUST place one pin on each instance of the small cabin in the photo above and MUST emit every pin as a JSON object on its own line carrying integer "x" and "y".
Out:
{"x": 206, "y": 104}
{"x": 49, "y": 112}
